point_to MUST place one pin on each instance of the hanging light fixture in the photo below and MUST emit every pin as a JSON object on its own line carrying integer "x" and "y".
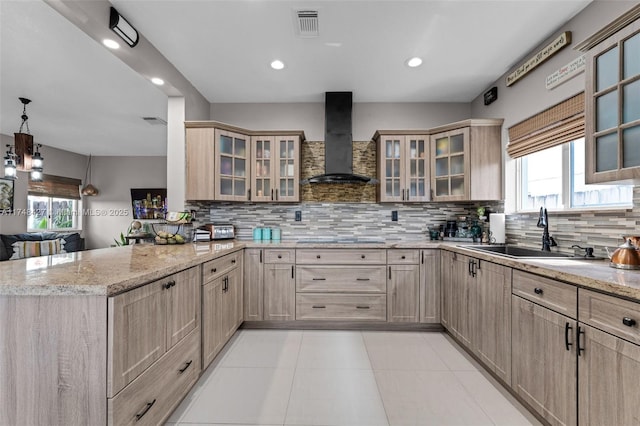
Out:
{"x": 89, "y": 190}
{"x": 37, "y": 161}
{"x": 10, "y": 164}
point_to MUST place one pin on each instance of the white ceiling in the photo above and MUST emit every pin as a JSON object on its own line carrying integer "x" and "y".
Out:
{"x": 88, "y": 101}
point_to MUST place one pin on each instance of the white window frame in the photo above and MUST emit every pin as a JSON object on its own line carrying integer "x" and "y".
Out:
{"x": 78, "y": 216}
{"x": 566, "y": 189}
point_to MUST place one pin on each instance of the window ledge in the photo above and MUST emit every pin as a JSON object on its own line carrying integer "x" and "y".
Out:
{"x": 616, "y": 209}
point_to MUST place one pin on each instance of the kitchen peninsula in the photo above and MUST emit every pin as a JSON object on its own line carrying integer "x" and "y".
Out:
{"x": 70, "y": 319}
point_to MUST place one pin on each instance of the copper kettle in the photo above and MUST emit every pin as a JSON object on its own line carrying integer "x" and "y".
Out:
{"x": 625, "y": 257}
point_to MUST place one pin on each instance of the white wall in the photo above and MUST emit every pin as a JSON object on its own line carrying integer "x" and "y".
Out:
{"x": 367, "y": 117}
{"x": 529, "y": 96}
{"x": 114, "y": 177}
{"x": 57, "y": 162}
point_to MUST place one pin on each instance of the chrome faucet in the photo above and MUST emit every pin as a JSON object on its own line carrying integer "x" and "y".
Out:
{"x": 543, "y": 222}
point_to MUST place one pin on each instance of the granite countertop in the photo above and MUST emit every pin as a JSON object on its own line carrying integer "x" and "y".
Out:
{"x": 121, "y": 268}
{"x": 106, "y": 271}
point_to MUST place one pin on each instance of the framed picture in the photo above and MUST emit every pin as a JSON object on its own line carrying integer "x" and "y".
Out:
{"x": 6, "y": 196}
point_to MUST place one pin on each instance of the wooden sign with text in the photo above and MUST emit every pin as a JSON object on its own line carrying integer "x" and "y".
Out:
{"x": 551, "y": 49}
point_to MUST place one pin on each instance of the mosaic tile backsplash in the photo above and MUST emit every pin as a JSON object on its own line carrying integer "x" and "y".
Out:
{"x": 337, "y": 220}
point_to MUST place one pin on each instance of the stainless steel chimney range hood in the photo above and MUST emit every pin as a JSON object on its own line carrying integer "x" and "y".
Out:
{"x": 338, "y": 142}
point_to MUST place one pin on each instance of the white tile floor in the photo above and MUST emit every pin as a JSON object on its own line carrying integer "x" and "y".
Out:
{"x": 346, "y": 378}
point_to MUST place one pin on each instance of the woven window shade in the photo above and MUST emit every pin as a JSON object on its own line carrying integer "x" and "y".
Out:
{"x": 554, "y": 126}
{"x": 56, "y": 186}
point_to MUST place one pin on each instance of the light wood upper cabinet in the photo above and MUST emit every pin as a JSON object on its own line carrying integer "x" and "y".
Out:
{"x": 403, "y": 168}
{"x": 612, "y": 113}
{"x": 232, "y": 166}
{"x": 275, "y": 168}
{"x": 200, "y": 164}
{"x": 466, "y": 162}
{"x": 227, "y": 163}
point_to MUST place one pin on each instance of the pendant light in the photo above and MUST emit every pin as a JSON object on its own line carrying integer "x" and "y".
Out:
{"x": 10, "y": 164}
{"x": 89, "y": 190}
{"x": 37, "y": 162}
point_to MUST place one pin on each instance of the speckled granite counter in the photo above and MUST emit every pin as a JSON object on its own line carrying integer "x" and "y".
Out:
{"x": 114, "y": 270}
{"x": 104, "y": 271}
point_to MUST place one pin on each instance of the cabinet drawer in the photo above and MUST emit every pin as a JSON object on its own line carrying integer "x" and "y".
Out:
{"x": 331, "y": 278}
{"x": 163, "y": 385}
{"x": 217, "y": 267}
{"x": 338, "y": 307}
{"x": 616, "y": 316}
{"x": 401, "y": 257}
{"x": 342, "y": 256}
{"x": 560, "y": 297}
{"x": 279, "y": 256}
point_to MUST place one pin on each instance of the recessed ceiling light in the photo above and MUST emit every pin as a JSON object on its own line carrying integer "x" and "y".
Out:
{"x": 277, "y": 64}
{"x": 111, "y": 44}
{"x": 414, "y": 62}
{"x": 157, "y": 81}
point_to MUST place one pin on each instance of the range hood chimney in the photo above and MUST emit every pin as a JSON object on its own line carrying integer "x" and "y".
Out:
{"x": 338, "y": 142}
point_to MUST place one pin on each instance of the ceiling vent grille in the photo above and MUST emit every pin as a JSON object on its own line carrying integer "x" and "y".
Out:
{"x": 306, "y": 23}
{"x": 155, "y": 121}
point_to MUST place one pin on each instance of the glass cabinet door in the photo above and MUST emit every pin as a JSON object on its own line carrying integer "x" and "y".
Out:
{"x": 449, "y": 165}
{"x": 417, "y": 170}
{"x": 288, "y": 182}
{"x": 392, "y": 175}
{"x": 262, "y": 169}
{"x": 231, "y": 158}
{"x": 613, "y": 107}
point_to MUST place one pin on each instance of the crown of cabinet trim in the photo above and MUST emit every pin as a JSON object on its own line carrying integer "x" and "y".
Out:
{"x": 231, "y": 128}
{"x": 609, "y": 30}
{"x": 475, "y": 122}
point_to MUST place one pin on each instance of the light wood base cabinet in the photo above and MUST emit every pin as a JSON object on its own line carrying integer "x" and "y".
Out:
{"x": 151, "y": 397}
{"x": 430, "y": 286}
{"x": 544, "y": 361}
{"x": 222, "y": 306}
{"x": 403, "y": 287}
{"x": 253, "y": 284}
{"x": 279, "y": 292}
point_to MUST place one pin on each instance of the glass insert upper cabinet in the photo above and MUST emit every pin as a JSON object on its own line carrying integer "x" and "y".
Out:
{"x": 403, "y": 168}
{"x": 275, "y": 168}
{"x": 612, "y": 109}
{"x": 466, "y": 161}
{"x": 232, "y": 166}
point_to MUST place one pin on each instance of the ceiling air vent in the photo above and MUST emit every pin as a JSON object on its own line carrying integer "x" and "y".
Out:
{"x": 306, "y": 23}
{"x": 155, "y": 121}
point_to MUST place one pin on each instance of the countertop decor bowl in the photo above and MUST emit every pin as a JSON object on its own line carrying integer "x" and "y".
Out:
{"x": 170, "y": 233}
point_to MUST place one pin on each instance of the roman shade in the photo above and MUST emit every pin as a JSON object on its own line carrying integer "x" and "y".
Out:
{"x": 561, "y": 123}
{"x": 56, "y": 186}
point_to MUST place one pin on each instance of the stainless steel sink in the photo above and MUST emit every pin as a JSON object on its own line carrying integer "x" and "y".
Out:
{"x": 526, "y": 253}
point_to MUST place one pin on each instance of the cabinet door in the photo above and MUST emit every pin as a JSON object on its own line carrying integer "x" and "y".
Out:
{"x": 450, "y": 165}
{"x": 287, "y": 171}
{"x": 446, "y": 265}
{"x": 403, "y": 288}
{"x": 262, "y": 168}
{"x": 212, "y": 325}
{"x": 417, "y": 182}
{"x": 544, "y": 362}
{"x": 609, "y": 369}
{"x": 137, "y": 333}
{"x": 430, "y": 286}
{"x": 232, "y": 166}
{"x": 232, "y": 303}
{"x": 279, "y": 292}
{"x": 462, "y": 300}
{"x": 391, "y": 168}
{"x": 200, "y": 164}
{"x": 183, "y": 305}
{"x": 612, "y": 108}
{"x": 492, "y": 319}
{"x": 253, "y": 284}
